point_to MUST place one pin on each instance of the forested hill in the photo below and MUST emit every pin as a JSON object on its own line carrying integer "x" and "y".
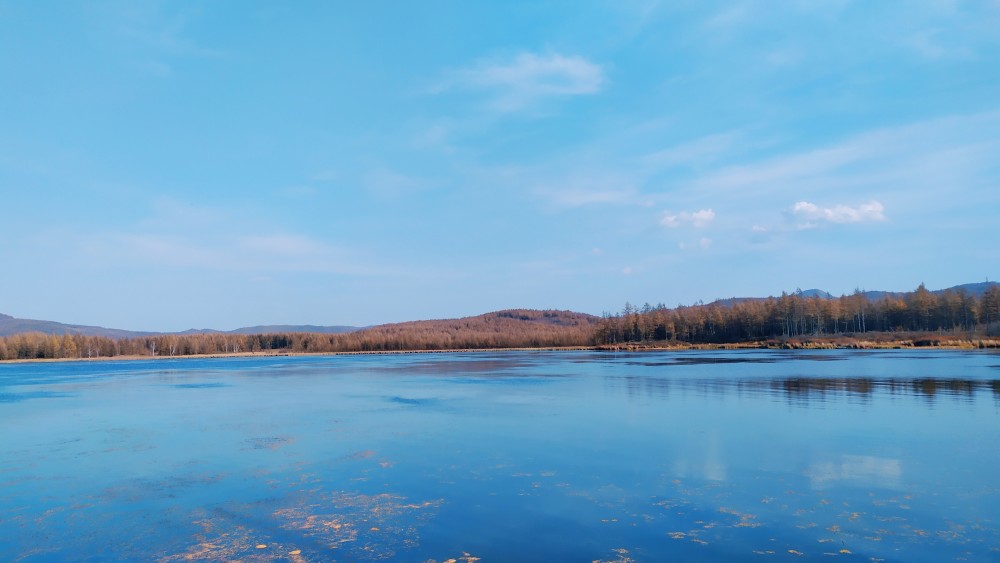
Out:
{"x": 971, "y": 310}
{"x": 517, "y": 328}
{"x": 514, "y": 328}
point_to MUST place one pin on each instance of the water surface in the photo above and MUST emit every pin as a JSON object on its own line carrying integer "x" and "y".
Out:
{"x": 526, "y": 456}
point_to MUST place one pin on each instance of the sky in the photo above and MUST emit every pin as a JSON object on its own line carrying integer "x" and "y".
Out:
{"x": 173, "y": 165}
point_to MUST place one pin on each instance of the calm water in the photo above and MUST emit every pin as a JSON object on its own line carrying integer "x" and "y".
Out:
{"x": 565, "y": 456}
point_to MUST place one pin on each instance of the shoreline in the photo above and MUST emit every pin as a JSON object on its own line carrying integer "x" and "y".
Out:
{"x": 809, "y": 344}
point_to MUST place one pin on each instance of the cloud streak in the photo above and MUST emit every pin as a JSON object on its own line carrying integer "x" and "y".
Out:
{"x": 527, "y": 79}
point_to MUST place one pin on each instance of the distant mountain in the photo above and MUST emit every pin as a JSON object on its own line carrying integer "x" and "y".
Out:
{"x": 816, "y": 293}
{"x": 10, "y": 325}
{"x": 976, "y": 289}
{"x": 497, "y": 321}
{"x": 733, "y": 301}
{"x": 273, "y": 329}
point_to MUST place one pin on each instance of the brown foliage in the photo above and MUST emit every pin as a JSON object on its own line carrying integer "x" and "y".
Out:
{"x": 516, "y": 328}
{"x": 795, "y": 316}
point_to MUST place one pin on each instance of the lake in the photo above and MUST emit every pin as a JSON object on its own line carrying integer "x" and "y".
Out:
{"x": 507, "y": 456}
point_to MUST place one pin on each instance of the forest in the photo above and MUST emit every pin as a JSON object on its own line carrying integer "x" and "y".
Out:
{"x": 919, "y": 317}
{"x": 797, "y": 316}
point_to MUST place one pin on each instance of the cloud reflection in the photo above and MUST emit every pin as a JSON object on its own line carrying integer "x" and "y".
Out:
{"x": 881, "y": 471}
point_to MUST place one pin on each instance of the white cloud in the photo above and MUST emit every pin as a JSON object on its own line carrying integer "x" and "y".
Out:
{"x": 872, "y": 211}
{"x": 528, "y": 78}
{"x": 697, "y": 219}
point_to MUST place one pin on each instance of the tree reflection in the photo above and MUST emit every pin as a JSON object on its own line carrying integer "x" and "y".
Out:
{"x": 807, "y": 389}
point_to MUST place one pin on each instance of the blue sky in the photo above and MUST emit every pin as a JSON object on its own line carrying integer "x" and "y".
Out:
{"x": 220, "y": 164}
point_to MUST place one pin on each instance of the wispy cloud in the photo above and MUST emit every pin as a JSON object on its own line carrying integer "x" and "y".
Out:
{"x": 693, "y": 153}
{"x": 387, "y": 183}
{"x": 284, "y": 245}
{"x": 299, "y": 191}
{"x": 527, "y": 79}
{"x": 172, "y": 214}
{"x": 936, "y": 151}
{"x": 934, "y": 45}
{"x": 575, "y": 197}
{"x": 703, "y": 244}
{"x": 272, "y": 253}
{"x": 162, "y": 31}
{"x": 731, "y": 16}
{"x": 697, "y": 219}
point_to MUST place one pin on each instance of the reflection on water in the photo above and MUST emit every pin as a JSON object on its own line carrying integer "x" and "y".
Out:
{"x": 806, "y": 389}
{"x": 527, "y": 456}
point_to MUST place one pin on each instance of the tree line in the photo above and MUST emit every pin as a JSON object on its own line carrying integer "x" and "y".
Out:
{"x": 797, "y": 315}
{"x": 794, "y": 315}
{"x": 503, "y": 329}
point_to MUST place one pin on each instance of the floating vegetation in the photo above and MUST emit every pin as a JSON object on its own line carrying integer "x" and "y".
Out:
{"x": 622, "y": 555}
{"x": 218, "y": 540}
{"x": 361, "y": 526}
{"x": 746, "y": 520}
{"x": 466, "y": 557}
{"x": 334, "y": 520}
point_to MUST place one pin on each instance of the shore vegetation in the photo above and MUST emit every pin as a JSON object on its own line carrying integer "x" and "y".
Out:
{"x": 921, "y": 318}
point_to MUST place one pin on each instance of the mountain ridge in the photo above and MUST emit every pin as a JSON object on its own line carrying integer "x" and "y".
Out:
{"x": 977, "y": 289}
{"x": 10, "y": 325}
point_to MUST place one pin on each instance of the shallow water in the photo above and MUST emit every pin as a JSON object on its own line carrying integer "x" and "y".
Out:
{"x": 526, "y": 456}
